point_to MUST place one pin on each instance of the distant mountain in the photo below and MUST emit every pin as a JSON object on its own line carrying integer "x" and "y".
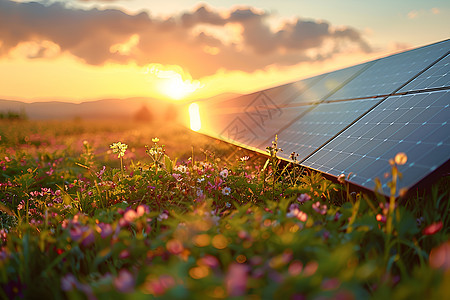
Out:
{"x": 99, "y": 109}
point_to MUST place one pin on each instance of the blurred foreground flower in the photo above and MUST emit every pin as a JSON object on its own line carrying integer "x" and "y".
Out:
{"x": 236, "y": 279}
{"x": 440, "y": 257}
{"x": 124, "y": 281}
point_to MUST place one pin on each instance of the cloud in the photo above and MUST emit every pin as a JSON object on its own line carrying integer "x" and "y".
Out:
{"x": 413, "y": 14}
{"x": 435, "y": 11}
{"x": 193, "y": 40}
{"x": 97, "y": 0}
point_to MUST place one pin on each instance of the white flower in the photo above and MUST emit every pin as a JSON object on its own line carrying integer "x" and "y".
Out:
{"x": 224, "y": 173}
{"x": 226, "y": 191}
{"x": 245, "y": 158}
{"x": 181, "y": 168}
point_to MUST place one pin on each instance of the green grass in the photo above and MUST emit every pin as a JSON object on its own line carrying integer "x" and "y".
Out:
{"x": 190, "y": 217}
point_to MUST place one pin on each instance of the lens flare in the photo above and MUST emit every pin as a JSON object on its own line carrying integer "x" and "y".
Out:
{"x": 173, "y": 81}
{"x": 194, "y": 116}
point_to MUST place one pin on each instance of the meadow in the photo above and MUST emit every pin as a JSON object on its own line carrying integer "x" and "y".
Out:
{"x": 126, "y": 210}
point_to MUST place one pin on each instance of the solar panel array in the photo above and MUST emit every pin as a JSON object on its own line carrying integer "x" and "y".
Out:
{"x": 351, "y": 120}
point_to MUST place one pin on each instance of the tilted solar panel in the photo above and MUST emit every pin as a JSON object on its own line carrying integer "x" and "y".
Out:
{"x": 416, "y": 124}
{"x": 351, "y": 120}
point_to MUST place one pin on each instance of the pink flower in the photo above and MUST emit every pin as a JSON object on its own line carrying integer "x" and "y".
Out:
{"x": 433, "y": 228}
{"x": 294, "y": 211}
{"x": 440, "y": 257}
{"x": 236, "y": 279}
{"x": 177, "y": 176}
{"x": 124, "y": 282}
{"x": 321, "y": 209}
{"x": 224, "y": 173}
{"x": 303, "y": 198}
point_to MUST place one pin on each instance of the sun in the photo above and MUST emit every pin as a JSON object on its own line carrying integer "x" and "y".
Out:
{"x": 173, "y": 82}
{"x": 177, "y": 88}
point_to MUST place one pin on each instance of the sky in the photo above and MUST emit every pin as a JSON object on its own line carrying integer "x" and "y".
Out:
{"x": 83, "y": 50}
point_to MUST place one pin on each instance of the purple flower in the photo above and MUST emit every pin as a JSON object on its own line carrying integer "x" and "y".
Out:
{"x": 124, "y": 282}
{"x": 321, "y": 209}
{"x": 68, "y": 283}
{"x": 303, "y": 198}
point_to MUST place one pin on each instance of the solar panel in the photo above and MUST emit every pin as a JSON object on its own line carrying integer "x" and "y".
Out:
{"x": 389, "y": 74}
{"x": 329, "y": 83}
{"x": 351, "y": 120}
{"x": 416, "y": 124}
{"x": 320, "y": 124}
{"x": 289, "y": 92}
{"x": 435, "y": 77}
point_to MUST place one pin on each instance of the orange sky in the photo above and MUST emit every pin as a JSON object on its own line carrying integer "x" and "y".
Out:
{"x": 85, "y": 50}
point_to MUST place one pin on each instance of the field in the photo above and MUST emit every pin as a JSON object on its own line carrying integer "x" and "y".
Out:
{"x": 125, "y": 210}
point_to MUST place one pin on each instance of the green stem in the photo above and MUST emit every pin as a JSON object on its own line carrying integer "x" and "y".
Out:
{"x": 121, "y": 165}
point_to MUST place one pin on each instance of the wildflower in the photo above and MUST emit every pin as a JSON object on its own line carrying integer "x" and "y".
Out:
{"x": 236, "y": 279}
{"x": 105, "y": 230}
{"x": 163, "y": 216}
{"x": 245, "y": 158}
{"x": 381, "y": 218}
{"x": 400, "y": 158}
{"x": 174, "y": 246}
{"x": 293, "y": 156}
{"x": 226, "y": 191}
{"x": 433, "y": 228}
{"x": 228, "y": 205}
{"x": 130, "y": 216}
{"x": 294, "y": 211}
{"x": 321, "y": 209}
{"x": 155, "y": 140}
{"x": 119, "y": 148}
{"x": 440, "y": 257}
{"x": 224, "y": 173}
{"x": 124, "y": 282}
{"x": 177, "y": 176}
{"x": 181, "y": 168}
{"x": 68, "y": 282}
{"x": 303, "y": 198}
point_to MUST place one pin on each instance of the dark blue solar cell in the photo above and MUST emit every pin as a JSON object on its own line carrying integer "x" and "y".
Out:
{"x": 320, "y": 124}
{"x": 389, "y": 74}
{"x": 417, "y": 131}
{"x": 435, "y": 77}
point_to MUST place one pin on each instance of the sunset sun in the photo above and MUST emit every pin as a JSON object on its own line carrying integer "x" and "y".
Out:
{"x": 173, "y": 82}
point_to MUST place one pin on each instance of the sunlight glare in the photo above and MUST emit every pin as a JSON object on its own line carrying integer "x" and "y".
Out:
{"x": 171, "y": 82}
{"x": 194, "y": 116}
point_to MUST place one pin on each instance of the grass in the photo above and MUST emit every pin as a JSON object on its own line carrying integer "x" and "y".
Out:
{"x": 188, "y": 217}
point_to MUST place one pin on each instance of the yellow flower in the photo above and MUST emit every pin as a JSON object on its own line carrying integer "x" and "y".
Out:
{"x": 400, "y": 158}
{"x": 119, "y": 148}
{"x": 155, "y": 140}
